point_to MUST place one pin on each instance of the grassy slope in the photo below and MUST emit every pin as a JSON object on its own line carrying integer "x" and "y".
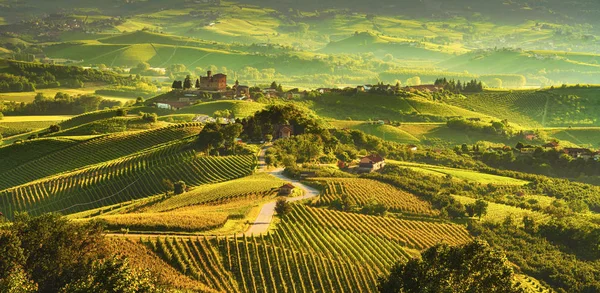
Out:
{"x": 528, "y": 108}
{"x": 365, "y": 106}
{"x": 467, "y": 175}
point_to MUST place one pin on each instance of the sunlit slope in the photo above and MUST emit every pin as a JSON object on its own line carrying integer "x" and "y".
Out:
{"x": 365, "y": 106}
{"x": 545, "y": 108}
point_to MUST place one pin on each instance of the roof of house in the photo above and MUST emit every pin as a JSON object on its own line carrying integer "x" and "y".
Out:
{"x": 288, "y": 185}
{"x": 551, "y": 144}
{"x": 577, "y": 150}
{"x": 375, "y": 158}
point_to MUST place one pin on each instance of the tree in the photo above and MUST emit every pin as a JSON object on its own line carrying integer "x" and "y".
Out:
{"x": 282, "y": 207}
{"x": 480, "y": 208}
{"x": 470, "y": 208}
{"x": 121, "y": 112}
{"x": 230, "y": 133}
{"x": 179, "y": 187}
{"x": 473, "y": 267}
{"x": 343, "y": 203}
{"x": 142, "y": 67}
{"x": 187, "y": 83}
{"x": 210, "y": 138}
{"x": 139, "y": 101}
{"x": 149, "y": 117}
{"x": 113, "y": 275}
{"x": 54, "y": 128}
{"x": 197, "y": 83}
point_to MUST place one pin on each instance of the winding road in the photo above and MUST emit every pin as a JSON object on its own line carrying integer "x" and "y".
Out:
{"x": 265, "y": 217}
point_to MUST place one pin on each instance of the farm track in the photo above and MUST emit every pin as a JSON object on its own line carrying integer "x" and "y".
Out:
{"x": 264, "y": 219}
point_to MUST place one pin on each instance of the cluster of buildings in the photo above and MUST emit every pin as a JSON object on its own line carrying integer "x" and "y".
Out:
{"x": 216, "y": 86}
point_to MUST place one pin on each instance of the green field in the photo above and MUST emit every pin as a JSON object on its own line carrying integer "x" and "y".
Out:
{"x": 466, "y": 175}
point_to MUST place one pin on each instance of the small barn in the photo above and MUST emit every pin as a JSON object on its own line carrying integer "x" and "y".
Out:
{"x": 286, "y": 189}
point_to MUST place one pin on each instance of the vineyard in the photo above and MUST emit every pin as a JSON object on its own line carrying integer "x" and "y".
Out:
{"x": 8, "y": 129}
{"x": 111, "y": 125}
{"x": 525, "y": 108}
{"x": 87, "y": 118}
{"x": 121, "y": 180}
{"x": 94, "y": 151}
{"x": 16, "y": 154}
{"x": 255, "y": 186}
{"x": 362, "y": 191}
{"x": 303, "y": 255}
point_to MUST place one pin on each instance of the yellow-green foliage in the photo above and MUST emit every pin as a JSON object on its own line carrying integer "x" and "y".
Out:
{"x": 192, "y": 221}
{"x": 142, "y": 258}
{"x": 362, "y": 191}
{"x": 111, "y": 125}
{"x": 122, "y": 180}
{"x": 239, "y": 109}
{"x": 258, "y": 185}
{"x": 466, "y": 175}
{"x": 497, "y": 213}
{"x": 365, "y": 106}
{"x": 95, "y": 151}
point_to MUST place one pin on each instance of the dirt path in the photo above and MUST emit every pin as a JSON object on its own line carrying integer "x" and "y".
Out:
{"x": 264, "y": 219}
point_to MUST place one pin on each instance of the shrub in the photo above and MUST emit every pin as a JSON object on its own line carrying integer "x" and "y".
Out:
{"x": 150, "y": 117}
{"x": 282, "y": 207}
{"x": 179, "y": 187}
{"x": 121, "y": 112}
{"x": 54, "y": 128}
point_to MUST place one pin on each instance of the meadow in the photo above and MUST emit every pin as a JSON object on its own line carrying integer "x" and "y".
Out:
{"x": 461, "y": 174}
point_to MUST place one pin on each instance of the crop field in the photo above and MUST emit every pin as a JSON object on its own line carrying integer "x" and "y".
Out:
{"x": 374, "y": 107}
{"x": 141, "y": 257}
{"x": 111, "y": 125}
{"x": 525, "y": 108}
{"x": 467, "y": 175}
{"x": 336, "y": 257}
{"x": 8, "y": 129}
{"x": 548, "y": 108}
{"x": 498, "y": 212}
{"x": 257, "y": 185}
{"x": 16, "y": 154}
{"x": 239, "y": 109}
{"x": 95, "y": 151}
{"x": 582, "y": 137}
{"x": 361, "y": 191}
{"x": 122, "y": 180}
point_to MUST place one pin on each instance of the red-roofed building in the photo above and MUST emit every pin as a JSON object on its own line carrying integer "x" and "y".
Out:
{"x": 371, "y": 163}
{"x": 286, "y": 189}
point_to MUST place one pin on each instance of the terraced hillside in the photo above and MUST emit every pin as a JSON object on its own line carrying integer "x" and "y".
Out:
{"x": 362, "y": 191}
{"x": 543, "y": 108}
{"x": 366, "y": 106}
{"x": 309, "y": 252}
{"x": 94, "y": 151}
{"x": 121, "y": 180}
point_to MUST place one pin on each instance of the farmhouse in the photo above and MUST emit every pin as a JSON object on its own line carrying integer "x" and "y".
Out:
{"x": 550, "y": 145}
{"x": 412, "y": 147}
{"x": 371, "y": 163}
{"x": 577, "y": 153}
{"x": 286, "y": 189}
{"x": 217, "y": 82}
